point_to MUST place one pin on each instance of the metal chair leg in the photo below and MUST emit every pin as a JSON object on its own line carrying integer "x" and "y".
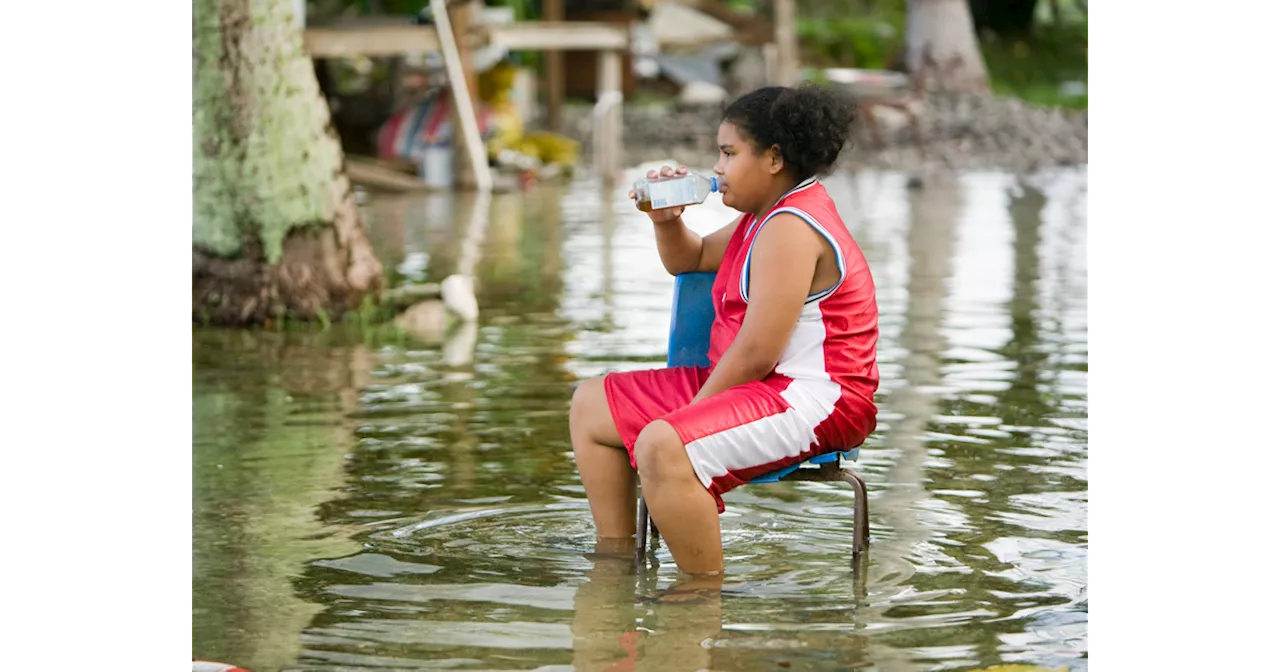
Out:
{"x": 861, "y": 523}
{"x": 644, "y": 525}
{"x": 642, "y": 531}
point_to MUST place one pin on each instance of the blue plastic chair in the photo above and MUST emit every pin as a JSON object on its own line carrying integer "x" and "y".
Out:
{"x": 692, "y": 312}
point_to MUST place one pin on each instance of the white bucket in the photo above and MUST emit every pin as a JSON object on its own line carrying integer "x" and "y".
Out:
{"x": 437, "y": 166}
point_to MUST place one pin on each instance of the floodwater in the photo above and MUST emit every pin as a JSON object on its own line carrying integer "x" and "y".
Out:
{"x": 371, "y": 501}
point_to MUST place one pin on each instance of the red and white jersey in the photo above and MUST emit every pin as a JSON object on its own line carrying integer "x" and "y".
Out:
{"x": 828, "y": 372}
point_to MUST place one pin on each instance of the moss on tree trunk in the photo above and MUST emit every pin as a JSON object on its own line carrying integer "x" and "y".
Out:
{"x": 276, "y": 230}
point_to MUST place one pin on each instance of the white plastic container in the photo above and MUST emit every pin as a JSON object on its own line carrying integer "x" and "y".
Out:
{"x": 437, "y": 166}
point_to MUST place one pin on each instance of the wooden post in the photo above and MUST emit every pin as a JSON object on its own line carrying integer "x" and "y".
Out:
{"x": 460, "y": 17}
{"x": 608, "y": 111}
{"x": 553, "y": 10}
{"x": 472, "y": 164}
{"x": 784, "y": 31}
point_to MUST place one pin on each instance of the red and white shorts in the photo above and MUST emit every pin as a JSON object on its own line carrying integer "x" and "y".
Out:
{"x": 743, "y": 432}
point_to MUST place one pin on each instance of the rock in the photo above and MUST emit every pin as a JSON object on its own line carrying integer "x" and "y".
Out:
{"x": 426, "y": 321}
{"x": 429, "y": 322}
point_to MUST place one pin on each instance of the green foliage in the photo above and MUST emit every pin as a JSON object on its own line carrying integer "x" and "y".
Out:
{"x": 868, "y": 34}
{"x": 858, "y": 41}
{"x": 393, "y": 7}
{"x": 1036, "y": 68}
{"x": 370, "y": 323}
{"x": 862, "y": 34}
{"x": 525, "y": 10}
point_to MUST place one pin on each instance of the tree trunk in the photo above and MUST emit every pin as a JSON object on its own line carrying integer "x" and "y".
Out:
{"x": 942, "y": 46}
{"x": 276, "y": 231}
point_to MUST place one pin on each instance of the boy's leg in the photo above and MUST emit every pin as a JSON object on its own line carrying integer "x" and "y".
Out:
{"x": 691, "y": 456}
{"x": 603, "y": 464}
{"x": 607, "y": 416}
{"x": 679, "y": 503}
{"x": 605, "y": 610}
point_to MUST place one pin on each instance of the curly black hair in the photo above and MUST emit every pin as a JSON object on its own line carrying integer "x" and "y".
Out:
{"x": 809, "y": 124}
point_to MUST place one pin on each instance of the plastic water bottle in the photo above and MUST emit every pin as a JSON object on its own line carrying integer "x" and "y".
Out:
{"x": 672, "y": 192}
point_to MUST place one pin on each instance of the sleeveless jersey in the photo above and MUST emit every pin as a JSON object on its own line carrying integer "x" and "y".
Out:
{"x": 829, "y": 365}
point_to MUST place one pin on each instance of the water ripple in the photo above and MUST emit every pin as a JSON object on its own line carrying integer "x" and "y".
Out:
{"x": 385, "y": 510}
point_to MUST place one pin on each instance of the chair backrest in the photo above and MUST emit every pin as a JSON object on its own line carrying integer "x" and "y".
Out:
{"x": 692, "y": 312}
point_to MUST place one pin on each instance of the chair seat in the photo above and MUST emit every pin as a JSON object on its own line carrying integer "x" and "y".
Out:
{"x": 825, "y": 458}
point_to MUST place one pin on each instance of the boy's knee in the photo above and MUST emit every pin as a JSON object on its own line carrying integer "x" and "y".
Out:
{"x": 589, "y": 394}
{"x": 660, "y": 453}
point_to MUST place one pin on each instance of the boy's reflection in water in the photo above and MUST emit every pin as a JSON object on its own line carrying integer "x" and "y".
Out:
{"x": 615, "y": 630}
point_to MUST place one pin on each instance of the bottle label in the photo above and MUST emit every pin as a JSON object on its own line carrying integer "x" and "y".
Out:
{"x": 670, "y": 193}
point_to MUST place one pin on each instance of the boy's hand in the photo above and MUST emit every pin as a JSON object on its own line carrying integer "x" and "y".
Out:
{"x": 665, "y": 214}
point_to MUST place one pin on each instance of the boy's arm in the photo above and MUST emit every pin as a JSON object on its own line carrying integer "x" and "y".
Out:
{"x": 713, "y": 246}
{"x": 683, "y": 251}
{"x": 783, "y": 263}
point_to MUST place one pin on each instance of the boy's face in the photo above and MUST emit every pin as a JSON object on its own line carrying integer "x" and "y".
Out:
{"x": 747, "y": 172}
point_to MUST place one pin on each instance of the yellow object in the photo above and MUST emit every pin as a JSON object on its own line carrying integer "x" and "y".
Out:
{"x": 549, "y": 148}
{"x": 507, "y": 128}
{"x": 505, "y": 125}
{"x": 496, "y": 83}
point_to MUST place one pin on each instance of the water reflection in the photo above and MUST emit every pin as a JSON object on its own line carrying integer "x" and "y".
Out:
{"x": 269, "y": 449}
{"x": 914, "y": 388}
{"x": 363, "y": 502}
{"x": 663, "y": 630}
